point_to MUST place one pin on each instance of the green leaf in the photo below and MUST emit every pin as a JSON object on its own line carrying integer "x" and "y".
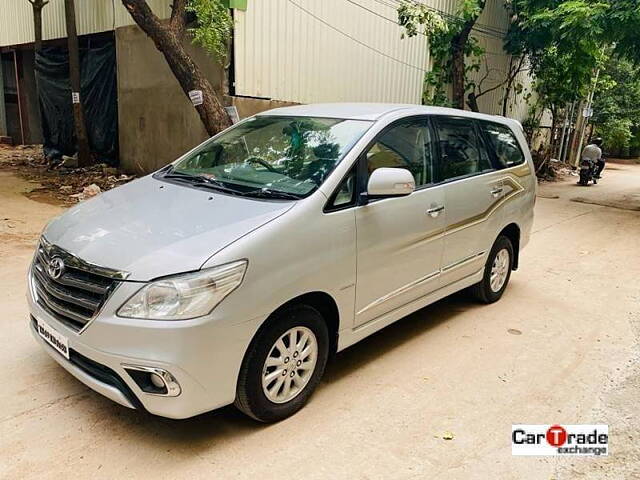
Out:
{"x": 214, "y": 25}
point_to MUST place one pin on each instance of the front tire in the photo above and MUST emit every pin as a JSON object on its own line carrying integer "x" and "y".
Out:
{"x": 283, "y": 364}
{"x": 497, "y": 272}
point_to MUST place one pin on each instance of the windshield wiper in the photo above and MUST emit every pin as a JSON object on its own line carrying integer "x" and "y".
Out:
{"x": 269, "y": 193}
{"x": 202, "y": 180}
{"x": 221, "y": 186}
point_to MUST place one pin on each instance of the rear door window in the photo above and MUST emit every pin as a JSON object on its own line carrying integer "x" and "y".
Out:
{"x": 462, "y": 152}
{"x": 504, "y": 144}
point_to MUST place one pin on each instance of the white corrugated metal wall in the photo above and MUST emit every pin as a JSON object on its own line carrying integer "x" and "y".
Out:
{"x": 304, "y": 50}
{"x": 92, "y": 16}
{"x": 349, "y": 50}
{"x": 330, "y": 50}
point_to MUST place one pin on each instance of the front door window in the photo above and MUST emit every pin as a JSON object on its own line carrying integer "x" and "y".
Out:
{"x": 406, "y": 145}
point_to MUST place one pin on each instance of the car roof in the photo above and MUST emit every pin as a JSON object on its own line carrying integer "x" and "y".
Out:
{"x": 373, "y": 111}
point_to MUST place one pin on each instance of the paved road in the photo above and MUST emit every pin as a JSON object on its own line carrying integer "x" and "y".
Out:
{"x": 560, "y": 347}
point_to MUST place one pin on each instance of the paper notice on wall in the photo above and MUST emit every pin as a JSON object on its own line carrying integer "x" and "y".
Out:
{"x": 75, "y": 97}
{"x": 232, "y": 111}
{"x": 196, "y": 97}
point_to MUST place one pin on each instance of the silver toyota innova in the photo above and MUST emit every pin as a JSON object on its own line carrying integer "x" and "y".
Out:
{"x": 235, "y": 273}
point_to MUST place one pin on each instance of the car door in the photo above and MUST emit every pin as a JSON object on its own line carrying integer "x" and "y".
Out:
{"x": 399, "y": 240}
{"x": 473, "y": 192}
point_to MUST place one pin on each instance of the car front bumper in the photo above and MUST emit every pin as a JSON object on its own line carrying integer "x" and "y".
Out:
{"x": 203, "y": 355}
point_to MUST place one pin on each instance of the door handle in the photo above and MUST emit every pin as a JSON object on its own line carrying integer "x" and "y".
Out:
{"x": 496, "y": 192}
{"x": 435, "y": 211}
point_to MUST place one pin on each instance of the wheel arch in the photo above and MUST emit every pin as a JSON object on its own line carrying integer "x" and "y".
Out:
{"x": 321, "y": 301}
{"x": 512, "y": 232}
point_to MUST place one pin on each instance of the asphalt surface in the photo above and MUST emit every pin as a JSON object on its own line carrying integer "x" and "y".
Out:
{"x": 560, "y": 347}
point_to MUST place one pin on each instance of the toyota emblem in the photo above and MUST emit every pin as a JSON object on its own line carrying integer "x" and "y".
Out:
{"x": 55, "y": 269}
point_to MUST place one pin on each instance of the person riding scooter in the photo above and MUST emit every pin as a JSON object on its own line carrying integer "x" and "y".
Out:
{"x": 593, "y": 153}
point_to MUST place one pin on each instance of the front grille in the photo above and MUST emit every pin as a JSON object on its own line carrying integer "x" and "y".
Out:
{"x": 75, "y": 296}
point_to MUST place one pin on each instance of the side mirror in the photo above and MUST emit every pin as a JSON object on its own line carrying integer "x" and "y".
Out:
{"x": 390, "y": 182}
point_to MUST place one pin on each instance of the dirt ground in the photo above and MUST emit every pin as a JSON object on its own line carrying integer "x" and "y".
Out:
{"x": 560, "y": 347}
{"x": 58, "y": 183}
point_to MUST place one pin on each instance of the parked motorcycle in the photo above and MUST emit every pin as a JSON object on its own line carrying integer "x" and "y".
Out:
{"x": 588, "y": 171}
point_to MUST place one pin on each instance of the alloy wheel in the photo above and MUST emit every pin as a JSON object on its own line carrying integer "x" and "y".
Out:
{"x": 289, "y": 365}
{"x": 499, "y": 270}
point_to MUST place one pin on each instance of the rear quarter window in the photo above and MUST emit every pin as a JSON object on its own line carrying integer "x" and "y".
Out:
{"x": 504, "y": 144}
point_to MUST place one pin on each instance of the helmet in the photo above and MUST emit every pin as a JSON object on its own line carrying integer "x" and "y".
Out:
{"x": 597, "y": 141}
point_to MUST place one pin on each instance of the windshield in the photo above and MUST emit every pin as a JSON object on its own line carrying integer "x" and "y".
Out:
{"x": 287, "y": 155}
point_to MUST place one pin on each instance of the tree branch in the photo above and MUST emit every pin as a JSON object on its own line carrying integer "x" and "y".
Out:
{"x": 177, "y": 16}
{"x": 167, "y": 39}
{"x": 489, "y": 90}
{"x": 144, "y": 16}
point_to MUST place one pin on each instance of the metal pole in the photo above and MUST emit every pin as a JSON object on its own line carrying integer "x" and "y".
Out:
{"x": 567, "y": 142}
{"x": 584, "y": 124}
{"x": 564, "y": 131}
{"x": 3, "y": 112}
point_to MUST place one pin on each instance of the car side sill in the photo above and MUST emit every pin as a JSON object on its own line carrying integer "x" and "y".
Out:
{"x": 349, "y": 337}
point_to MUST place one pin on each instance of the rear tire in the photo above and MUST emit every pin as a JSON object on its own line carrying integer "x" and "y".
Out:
{"x": 270, "y": 389}
{"x": 497, "y": 272}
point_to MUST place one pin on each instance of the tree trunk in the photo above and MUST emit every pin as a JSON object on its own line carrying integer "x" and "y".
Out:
{"x": 458, "y": 67}
{"x": 574, "y": 153}
{"x": 37, "y": 6}
{"x": 507, "y": 89}
{"x": 505, "y": 100}
{"x": 514, "y": 70}
{"x": 472, "y": 101}
{"x": 458, "y": 70}
{"x": 84, "y": 156}
{"x": 167, "y": 38}
{"x": 552, "y": 139}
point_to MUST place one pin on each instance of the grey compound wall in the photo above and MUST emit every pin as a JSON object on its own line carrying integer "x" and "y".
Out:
{"x": 156, "y": 121}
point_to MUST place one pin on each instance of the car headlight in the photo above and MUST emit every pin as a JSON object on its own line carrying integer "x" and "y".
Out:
{"x": 185, "y": 296}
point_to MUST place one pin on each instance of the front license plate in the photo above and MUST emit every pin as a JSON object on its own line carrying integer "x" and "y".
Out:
{"x": 53, "y": 338}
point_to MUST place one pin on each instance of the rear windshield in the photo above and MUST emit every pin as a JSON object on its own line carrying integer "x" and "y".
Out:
{"x": 293, "y": 155}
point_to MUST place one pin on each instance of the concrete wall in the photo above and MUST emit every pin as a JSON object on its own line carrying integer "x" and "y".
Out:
{"x": 156, "y": 121}
{"x": 248, "y": 106}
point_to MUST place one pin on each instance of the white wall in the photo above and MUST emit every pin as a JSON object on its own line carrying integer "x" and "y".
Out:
{"x": 284, "y": 53}
{"x": 92, "y": 16}
{"x": 347, "y": 53}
